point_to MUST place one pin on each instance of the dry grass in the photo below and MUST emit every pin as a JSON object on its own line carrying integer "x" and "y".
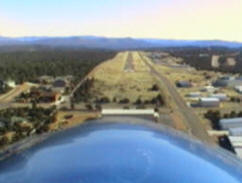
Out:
{"x": 76, "y": 119}
{"x": 113, "y": 82}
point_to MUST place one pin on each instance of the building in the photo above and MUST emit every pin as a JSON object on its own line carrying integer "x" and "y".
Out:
{"x": 238, "y": 88}
{"x": 209, "y": 102}
{"x": 45, "y": 79}
{"x": 226, "y": 124}
{"x": 59, "y": 83}
{"x": 194, "y": 95}
{"x": 228, "y": 82}
{"x": 44, "y": 95}
{"x": 49, "y": 97}
{"x": 11, "y": 83}
{"x": 209, "y": 89}
{"x": 132, "y": 112}
{"x": 183, "y": 84}
{"x": 235, "y": 131}
{"x": 220, "y": 96}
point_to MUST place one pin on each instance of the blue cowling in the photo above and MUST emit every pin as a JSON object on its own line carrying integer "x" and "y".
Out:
{"x": 124, "y": 152}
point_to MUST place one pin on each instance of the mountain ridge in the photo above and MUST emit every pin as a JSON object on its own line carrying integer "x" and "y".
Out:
{"x": 113, "y": 43}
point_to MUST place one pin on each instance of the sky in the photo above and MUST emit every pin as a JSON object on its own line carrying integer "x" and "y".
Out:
{"x": 164, "y": 19}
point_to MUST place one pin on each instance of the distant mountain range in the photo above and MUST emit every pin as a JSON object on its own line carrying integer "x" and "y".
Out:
{"x": 112, "y": 43}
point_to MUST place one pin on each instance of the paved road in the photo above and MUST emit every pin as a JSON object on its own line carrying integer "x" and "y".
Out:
{"x": 129, "y": 67}
{"x": 192, "y": 120}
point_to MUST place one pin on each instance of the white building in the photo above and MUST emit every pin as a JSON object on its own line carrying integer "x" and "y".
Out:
{"x": 194, "y": 95}
{"x": 235, "y": 131}
{"x": 209, "y": 102}
{"x": 11, "y": 83}
{"x": 209, "y": 89}
{"x": 220, "y": 96}
{"x": 142, "y": 112}
{"x": 226, "y": 124}
{"x": 238, "y": 88}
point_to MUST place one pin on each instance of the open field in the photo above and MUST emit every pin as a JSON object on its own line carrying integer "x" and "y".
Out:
{"x": 67, "y": 119}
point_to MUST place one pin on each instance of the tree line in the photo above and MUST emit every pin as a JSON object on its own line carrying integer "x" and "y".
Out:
{"x": 28, "y": 65}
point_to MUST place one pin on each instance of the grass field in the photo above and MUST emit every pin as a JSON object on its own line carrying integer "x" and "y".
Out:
{"x": 112, "y": 81}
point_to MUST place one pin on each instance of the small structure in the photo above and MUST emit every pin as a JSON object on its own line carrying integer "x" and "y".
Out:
{"x": 228, "y": 81}
{"x": 194, "y": 95}
{"x": 220, "y": 96}
{"x": 209, "y": 89}
{"x": 226, "y": 124}
{"x": 238, "y": 89}
{"x": 11, "y": 83}
{"x": 59, "y": 83}
{"x": 44, "y": 95}
{"x": 45, "y": 79}
{"x": 183, "y": 84}
{"x": 17, "y": 120}
{"x": 58, "y": 89}
{"x": 209, "y": 102}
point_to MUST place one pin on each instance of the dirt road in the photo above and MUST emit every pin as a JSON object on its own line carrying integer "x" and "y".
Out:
{"x": 9, "y": 97}
{"x": 191, "y": 119}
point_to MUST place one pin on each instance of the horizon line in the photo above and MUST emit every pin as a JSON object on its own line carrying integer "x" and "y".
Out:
{"x": 114, "y": 37}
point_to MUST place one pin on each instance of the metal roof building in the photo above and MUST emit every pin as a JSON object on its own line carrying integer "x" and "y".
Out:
{"x": 235, "y": 131}
{"x": 228, "y": 82}
{"x": 220, "y": 96}
{"x": 226, "y": 124}
{"x": 209, "y": 102}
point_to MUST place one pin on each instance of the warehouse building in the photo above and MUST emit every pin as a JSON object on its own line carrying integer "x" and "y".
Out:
{"x": 209, "y": 102}
{"x": 220, "y": 96}
{"x": 235, "y": 131}
{"x": 230, "y": 123}
{"x": 183, "y": 84}
{"x": 228, "y": 82}
{"x": 194, "y": 95}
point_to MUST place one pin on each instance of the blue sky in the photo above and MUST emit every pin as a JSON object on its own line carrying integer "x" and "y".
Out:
{"x": 172, "y": 19}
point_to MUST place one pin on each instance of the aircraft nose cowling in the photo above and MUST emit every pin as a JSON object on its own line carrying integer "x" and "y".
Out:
{"x": 121, "y": 153}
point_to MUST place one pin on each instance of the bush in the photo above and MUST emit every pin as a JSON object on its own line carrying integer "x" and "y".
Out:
{"x": 124, "y": 101}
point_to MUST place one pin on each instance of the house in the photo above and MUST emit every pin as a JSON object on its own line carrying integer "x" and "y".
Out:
{"x": 183, "y": 84}
{"x": 209, "y": 102}
{"x": 220, "y": 96}
{"x": 59, "y": 83}
{"x": 226, "y": 124}
{"x": 46, "y": 79}
{"x": 49, "y": 97}
{"x": 44, "y": 95}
